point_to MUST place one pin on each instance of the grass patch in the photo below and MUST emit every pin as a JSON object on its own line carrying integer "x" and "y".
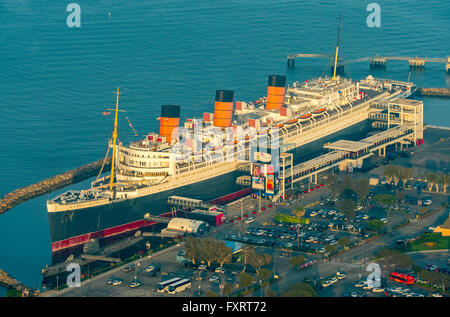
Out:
{"x": 290, "y": 219}
{"x": 429, "y": 241}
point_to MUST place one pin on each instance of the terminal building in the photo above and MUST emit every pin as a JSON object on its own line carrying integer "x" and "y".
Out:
{"x": 397, "y": 124}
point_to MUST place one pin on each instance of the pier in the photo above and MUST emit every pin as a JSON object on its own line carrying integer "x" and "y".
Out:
{"x": 50, "y": 184}
{"x": 375, "y": 61}
{"x": 437, "y": 92}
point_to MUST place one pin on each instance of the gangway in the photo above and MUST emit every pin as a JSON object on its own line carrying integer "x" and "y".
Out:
{"x": 159, "y": 219}
{"x": 186, "y": 202}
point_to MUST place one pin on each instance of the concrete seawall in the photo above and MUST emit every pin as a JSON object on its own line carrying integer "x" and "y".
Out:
{"x": 10, "y": 283}
{"x": 438, "y": 92}
{"x": 50, "y": 184}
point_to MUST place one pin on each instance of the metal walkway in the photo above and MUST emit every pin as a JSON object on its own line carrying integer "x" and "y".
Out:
{"x": 179, "y": 201}
{"x": 343, "y": 150}
{"x": 159, "y": 219}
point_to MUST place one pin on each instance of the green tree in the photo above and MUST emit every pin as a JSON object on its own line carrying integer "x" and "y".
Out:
{"x": 433, "y": 179}
{"x": 405, "y": 174}
{"x": 207, "y": 250}
{"x": 361, "y": 188}
{"x": 330, "y": 248}
{"x": 300, "y": 290}
{"x": 247, "y": 252}
{"x": 344, "y": 241}
{"x": 297, "y": 261}
{"x": 389, "y": 172}
{"x": 192, "y": 248}
{"x": 445, "y": 181}
{"x": 258, "y": 260}
{"x": 376, "y": 225}
{"x": 264, "y": 274}
{"x": 347, "y": 206}
{"x": 333, "y": 185}
{"x": 223, "y": 253}
{"x": 245, "y": 280}
{"x": 227, "y": 289}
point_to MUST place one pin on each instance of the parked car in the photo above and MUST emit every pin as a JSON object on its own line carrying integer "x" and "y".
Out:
{"x": 214, "y": 278}
{"x": 153, "y": 267}
{"x": 114, "y": 281}
{"x": 426, "y": 201}
{"x": 135, "y": 283}
{"x": 250, "y": 220}
{"x": 129, "y": 268}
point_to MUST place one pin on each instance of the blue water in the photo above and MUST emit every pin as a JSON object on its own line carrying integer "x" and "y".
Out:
{"x": 56, "y": 81}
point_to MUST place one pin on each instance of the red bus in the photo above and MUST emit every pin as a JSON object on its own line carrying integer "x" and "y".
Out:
{"x": 401, "y": 278}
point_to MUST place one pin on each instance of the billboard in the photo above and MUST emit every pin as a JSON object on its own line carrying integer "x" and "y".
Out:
{"x": 258, "y": 170}
{"x": 262, "y": 157}
{"x": 270, "y": 185}
{"x": 258, "y": 183}
{"x": 264, "y": 179}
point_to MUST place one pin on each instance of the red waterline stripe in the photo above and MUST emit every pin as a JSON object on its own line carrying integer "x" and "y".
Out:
{"x": 74, "y": 241}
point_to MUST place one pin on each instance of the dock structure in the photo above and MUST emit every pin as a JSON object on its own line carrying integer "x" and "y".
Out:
{"x": 439, "y": 92}
{"x": 158, "y": 219}
{"x": 376, "y": 61}
{"x": 402, "y": 120}
{"x": 186, "y": 202}
{"x": 99, "y": 258}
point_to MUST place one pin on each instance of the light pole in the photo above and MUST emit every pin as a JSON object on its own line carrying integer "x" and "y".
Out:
{"x": 199, "y": 282}
{"x": 260, "y": 287}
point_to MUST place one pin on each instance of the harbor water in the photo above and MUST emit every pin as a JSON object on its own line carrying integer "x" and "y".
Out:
{"x": 56, "y": 81}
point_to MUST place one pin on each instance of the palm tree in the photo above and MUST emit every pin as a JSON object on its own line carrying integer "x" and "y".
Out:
{"x": 445, "y": 180}
{"x": 433, "y": 179}
{"x": 405, "y": 174}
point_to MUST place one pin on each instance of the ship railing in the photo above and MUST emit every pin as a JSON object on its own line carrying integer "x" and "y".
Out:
{"x": 78, "y": 201}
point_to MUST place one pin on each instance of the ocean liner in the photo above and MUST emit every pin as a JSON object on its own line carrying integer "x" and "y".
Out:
{"x": 201, "y": 158}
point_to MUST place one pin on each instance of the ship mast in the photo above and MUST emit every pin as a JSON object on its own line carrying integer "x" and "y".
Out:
{"x": 337, "y": 49}
{"x": 114, "y": 136}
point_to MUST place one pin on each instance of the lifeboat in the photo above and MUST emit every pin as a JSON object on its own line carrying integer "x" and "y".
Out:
{"x": 279, "y": 125}
{"x": 319, "y": 111}
{"x": 292, "y": 121}
{"x": 305, "y": 116}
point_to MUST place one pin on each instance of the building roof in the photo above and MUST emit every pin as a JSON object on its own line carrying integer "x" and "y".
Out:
{"x": 346, "y": 145}
{"x": 184, "y": 224}
{"x": 406, "y": 102}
